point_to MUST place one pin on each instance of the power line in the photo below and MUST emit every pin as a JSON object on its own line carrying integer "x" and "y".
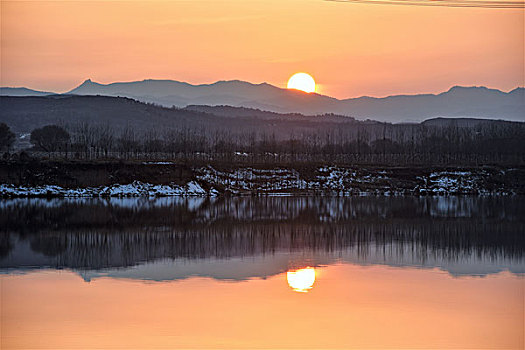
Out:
{"x": 491, "y": 4}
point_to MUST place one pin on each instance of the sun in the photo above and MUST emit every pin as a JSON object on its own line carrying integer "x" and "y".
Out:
{"x": 302, "y": 81}
{"x": 301, "y": 280}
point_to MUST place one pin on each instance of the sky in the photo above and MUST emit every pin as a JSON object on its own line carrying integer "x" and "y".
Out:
{"x": 350, "y": 49}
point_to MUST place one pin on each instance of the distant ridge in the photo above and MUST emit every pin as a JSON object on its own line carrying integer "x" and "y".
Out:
{"x": 458, "y": 102}
{"x": 25, "y": 113}
{"x": 22, "y": 91}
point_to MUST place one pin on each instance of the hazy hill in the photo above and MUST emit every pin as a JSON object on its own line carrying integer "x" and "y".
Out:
{"x": 474, "y": 102}
{"x": 22, "y": 91}
{"x": 478, "y": 102}
{"x": 24, "y": 114}
{"x": 245, "y": 112}
{"x": 460, "y": 122}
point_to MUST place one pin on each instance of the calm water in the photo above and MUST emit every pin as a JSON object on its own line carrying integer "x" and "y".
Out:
{"x": 263, "y": 273}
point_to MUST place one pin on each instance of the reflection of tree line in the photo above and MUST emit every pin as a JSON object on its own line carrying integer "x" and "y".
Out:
{"x": 29, "y": 216}
{"x": 448, "y": 239}
{"x": 96, "y": 233}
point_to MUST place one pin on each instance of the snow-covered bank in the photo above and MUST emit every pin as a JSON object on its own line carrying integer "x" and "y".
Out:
{"x": 324, "y": 180}
{"x": 134, "y": 189}
{"x": 352, "y": 181}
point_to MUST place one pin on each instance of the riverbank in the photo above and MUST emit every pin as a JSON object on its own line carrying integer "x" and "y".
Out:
{"x": 126, "y": 179}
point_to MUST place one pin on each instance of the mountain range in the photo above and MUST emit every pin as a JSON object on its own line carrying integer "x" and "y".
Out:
{"x": 474, "y": 102}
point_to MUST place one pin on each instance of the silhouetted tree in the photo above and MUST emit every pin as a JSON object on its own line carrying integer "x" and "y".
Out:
{"x": 7, "y": 137}
{"x": 50, "y": 138}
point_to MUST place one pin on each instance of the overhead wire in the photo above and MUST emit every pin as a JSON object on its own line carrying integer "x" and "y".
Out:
{"x": 492, "y": 4}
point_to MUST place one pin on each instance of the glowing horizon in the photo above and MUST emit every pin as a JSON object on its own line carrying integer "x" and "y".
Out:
{"x": 301, "y": 81}
{"x": 351, "y": 49}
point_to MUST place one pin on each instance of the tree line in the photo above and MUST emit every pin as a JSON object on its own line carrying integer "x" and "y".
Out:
{"x": 487, "y": 142}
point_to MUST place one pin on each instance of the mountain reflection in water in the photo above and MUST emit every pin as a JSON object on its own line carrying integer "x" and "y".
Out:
{"x": 241, "y": 238}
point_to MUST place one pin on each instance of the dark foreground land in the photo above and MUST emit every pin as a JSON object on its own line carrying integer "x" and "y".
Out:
{"x": 134, "y": 178}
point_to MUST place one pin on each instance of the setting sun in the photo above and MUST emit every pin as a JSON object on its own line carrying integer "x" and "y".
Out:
{"x": 302, "y": 81}
{"x": 301, "y": 280}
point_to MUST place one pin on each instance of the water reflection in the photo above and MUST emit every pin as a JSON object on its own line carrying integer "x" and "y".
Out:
{"x": 72, "y": 273}
{"x": 241, "y": 238}
{"x": 301, "y": 280}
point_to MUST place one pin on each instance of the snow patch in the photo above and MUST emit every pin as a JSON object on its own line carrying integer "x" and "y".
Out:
{"x": 134, "y": 189}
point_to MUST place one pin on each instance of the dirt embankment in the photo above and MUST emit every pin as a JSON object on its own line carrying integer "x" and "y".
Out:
{"x": 91, "y": 174}
{"x": 20, "y": 178}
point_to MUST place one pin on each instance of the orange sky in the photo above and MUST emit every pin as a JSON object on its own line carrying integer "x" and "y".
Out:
{"x": 350, "y": 49}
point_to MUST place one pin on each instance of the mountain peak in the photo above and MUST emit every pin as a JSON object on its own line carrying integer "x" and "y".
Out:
{"x": 85, "y": 87}
{"x": 519, "y": 89}
{"x": 472, "y": 90}
{"x": 465, "y": 88}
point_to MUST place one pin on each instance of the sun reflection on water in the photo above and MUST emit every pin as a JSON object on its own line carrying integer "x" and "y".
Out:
{"x": 301, "y": 280}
